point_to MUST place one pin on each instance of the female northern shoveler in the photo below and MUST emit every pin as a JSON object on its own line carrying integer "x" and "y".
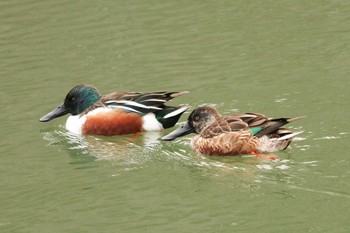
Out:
{"x": 236, "y": 134}
{"x": 116, "y": 113}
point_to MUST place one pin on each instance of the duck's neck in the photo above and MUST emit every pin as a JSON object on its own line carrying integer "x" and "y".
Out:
{"x": 88, "y": 98}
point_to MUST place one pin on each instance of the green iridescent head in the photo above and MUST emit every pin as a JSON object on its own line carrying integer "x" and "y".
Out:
{"x": 77, "y": 100}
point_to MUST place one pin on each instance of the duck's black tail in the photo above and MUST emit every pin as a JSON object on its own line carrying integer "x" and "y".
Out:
{"x": 169, "y": 115}
{"x": 273, "y": 125}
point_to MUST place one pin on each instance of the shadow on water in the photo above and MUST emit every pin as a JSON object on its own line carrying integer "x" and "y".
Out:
{"x": 133, "y": 152}
{"x": 137, "y": 149}
{"x": 86, "y": 149}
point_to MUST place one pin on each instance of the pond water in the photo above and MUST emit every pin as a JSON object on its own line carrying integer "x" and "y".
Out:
{"x": 283, "y": 59}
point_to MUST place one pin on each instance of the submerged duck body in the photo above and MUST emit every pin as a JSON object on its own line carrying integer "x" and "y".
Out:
{"x": 116, "y": 113}
{"x": 235, "y": 134}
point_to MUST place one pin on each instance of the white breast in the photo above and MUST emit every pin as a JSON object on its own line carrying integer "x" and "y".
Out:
{"x": 74, "y": 124}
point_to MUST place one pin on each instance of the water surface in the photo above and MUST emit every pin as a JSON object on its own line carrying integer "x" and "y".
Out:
{"x": 283, "y": 59}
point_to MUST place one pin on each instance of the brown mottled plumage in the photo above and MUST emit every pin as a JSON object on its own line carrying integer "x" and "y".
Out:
{"x": 234, "y": 134}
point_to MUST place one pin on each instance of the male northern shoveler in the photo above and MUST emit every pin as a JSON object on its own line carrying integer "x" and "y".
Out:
{"x": 116, "y": 113}
{"x": 236, "y": 134}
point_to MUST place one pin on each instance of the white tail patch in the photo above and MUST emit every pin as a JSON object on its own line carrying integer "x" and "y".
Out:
{"x": 176, "y": 112}
{"x": 289, "y": 136}
{"x": 150, "y": 123}
{"x": 269, "y": 145}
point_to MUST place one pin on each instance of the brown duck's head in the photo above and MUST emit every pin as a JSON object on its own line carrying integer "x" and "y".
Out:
{"x": 199, "y": 119}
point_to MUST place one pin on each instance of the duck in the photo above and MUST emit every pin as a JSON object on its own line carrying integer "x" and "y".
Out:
{"x": 116, "y": 113}
{"x": 235, "y": 134}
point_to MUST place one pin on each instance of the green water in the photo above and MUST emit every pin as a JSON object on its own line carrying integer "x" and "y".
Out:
{"x": 281, "y": 58}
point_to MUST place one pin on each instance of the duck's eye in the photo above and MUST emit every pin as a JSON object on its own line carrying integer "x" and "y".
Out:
{"x": 196, "y": 118}
{"x": 73, "y": 98}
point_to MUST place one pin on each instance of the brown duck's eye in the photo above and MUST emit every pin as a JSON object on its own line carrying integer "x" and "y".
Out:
{"x": 196, "y": 118}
